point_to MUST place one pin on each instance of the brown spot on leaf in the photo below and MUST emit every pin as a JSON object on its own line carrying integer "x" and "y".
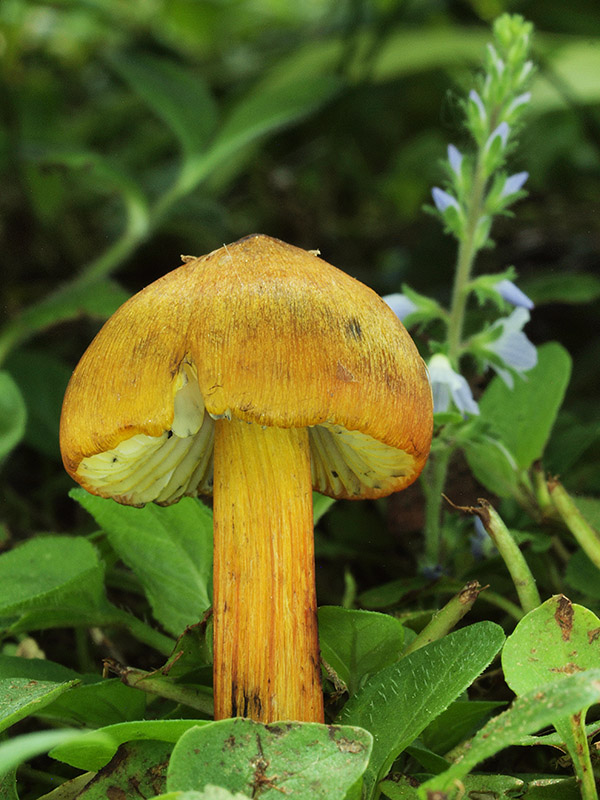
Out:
{"x": 568, "y": 669}
{"x": 593, "y": 635}
{"x": 564, "y": 617}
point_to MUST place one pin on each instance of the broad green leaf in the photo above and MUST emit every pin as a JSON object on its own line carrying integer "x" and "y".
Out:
{"x": 177, "y": 95}
{"x": 456, "y": 724}
{"x": 492, "y": 465}
{"x": 69, "y": 790}
{"x": 108, "y": 176}
{"x": 106, "y": 702}
{"x": 321, "y": 505}
{"x": 573, "y": 287}
{"x": 398, "y": 703}
{"x": 8, "y": 785}
{"x": 551, "y": 642}
{"x": 528, "y": 713}
{"x": 37, "y": 669}
{"x": 14, "y": 752}
{"x": 13, "y": 414}
{"x": 97, "y": 299}
{"x": 477, "y": 787}
{"x": 358, "y": 643}
{"x": 275, "y": 102}
{"x": 210, "y": 793}
{"x": 522, "y": 417}
{"x": 137, "y": 770}
{"x": 92, "y": 750}
{"x": 583, "y": 575}
{"x": 169, "y": 549}
{"x": 52, "y": 581}
{"x": 298, "y": 759}
{"x": 405, "y": 52}
{"x": 21, "y": 697}
{"x": 42, "y": 379}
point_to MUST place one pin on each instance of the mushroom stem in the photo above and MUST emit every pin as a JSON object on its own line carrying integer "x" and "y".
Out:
{"x": 266, "y": 650}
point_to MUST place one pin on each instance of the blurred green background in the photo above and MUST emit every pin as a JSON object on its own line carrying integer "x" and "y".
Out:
{"x": 133, "y": 132}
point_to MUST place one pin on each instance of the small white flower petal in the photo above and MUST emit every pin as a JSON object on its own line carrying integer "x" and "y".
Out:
{"x": 443, "y": 199}
{"x": 514, "y": 183}
{"x": 400, "y": 304}
{"x": 446, "y": 385}
{"x": 474, "y": 96}
{"x": 512, "y": 294}
{"x": 455, "y": 158}
{"x": 503, "y": 131}
{"x": 521, "y": 100}
{"x": 513, "y": 346}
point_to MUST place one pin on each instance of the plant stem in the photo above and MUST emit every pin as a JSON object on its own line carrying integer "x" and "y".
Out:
{"x": 464, "y": 263}
{"x": 513, "y": 558}
{"x": 587, "y": 537}
{"x": 433, "y": 483}
{"x": 447, "y": 617}
{"x": 152, "y": 683}
{"x": 581, "y": 758}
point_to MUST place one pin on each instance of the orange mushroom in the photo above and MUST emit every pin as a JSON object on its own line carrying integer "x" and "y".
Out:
{"x": 257, "y": 372}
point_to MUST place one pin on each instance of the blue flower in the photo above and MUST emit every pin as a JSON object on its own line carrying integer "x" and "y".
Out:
{"x": 448, "y": 387}
{"x": 400, "y": 304}
{"x": 455, "y": 158}
{"x": 475, "y": 98}
{"x": 502, "y": 131}
{"x": 514, "y": 183}
{"x": 512, "y": 294}
{"x": 443, "y": 200}
{"x": 512, "y": 347}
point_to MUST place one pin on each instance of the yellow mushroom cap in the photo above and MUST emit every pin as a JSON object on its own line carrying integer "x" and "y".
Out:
{"x": 264, "y": 332}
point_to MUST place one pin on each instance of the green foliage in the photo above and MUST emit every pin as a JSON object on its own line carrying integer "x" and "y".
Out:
{"x": 170, "y": 550}
{"x": 246, "y": 757}
{"x": 133, "y": 132}
{"x": 397, "y": 703}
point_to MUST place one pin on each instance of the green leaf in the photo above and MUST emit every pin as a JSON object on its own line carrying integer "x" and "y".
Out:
{"x": 456, "y": 724}
{"x": 20, "y": 697}
{"x": 279, "y": 100}
{"x": 580, "y": 287}
{"x": 177, "y": 95}
{"x": 358, "y": 643}
{"x": 14, "y": 752}
{"x": 137, "y": 770}
{"x": 554, "y": 640}
{"x": 300, "y": 759}
{"x": 13, "y": 414}
{"x": 8, "y": 786}
{"x": 169, "y": 549}
{"x": 97, "y": 299}
{"x": 492, "y": 465}
{"x": 321, "y": 505}
{"x": 397, "y": 703}
{"x": 42, "y": 379}
{"x": 93, "y": 749}
{"x": 52, "y": 581}
{"x": 583, "y": 575}
{"x": 478, "y": 787}
{"x": 210, "y": 793}
{"x": 528, "y": 714}
{"x": 107, "y": 176}
{"x": 522, "y": 418}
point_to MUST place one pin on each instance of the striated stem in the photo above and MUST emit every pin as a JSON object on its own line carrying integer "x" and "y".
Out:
{"x": 266, "y": 649}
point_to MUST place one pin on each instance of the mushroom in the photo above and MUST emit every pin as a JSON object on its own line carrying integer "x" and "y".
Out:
{"x": 256, "y": 373}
